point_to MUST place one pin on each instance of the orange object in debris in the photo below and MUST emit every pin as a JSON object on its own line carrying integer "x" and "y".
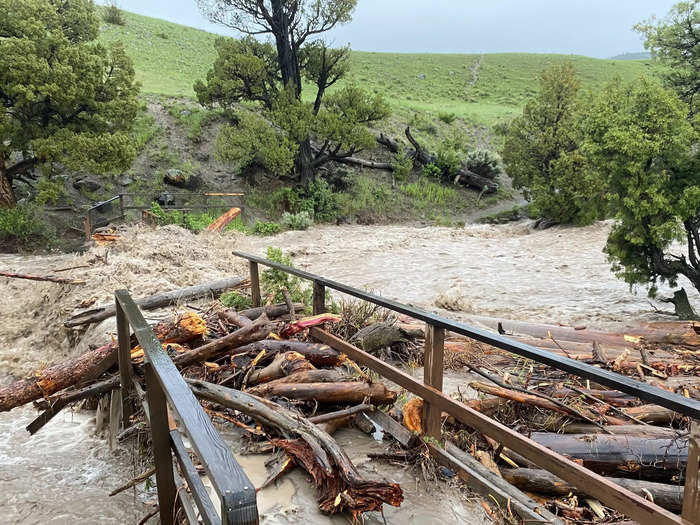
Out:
{"x": 223, "y": 221}
{"x": 105, "y": 238}
{"x": 302, "y": 324}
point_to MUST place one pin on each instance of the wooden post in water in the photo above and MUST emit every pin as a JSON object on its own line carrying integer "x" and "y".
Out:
{"x": 432, "y": 376}
{"x": 87, "y": 225}
{"x": 160, "y": 439}
{"x": 691, "y": 494}
{"x": 125, "y": 370}
{"x": 255, "y": 284}
{"x": 319, "y": 299}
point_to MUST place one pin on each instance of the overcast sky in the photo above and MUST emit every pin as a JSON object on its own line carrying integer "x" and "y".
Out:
{"x": 599, "y": 28}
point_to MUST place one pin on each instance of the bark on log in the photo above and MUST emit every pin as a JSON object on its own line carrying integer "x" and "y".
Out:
{"x": 308, "y": 376}
{"x": 224, "y": 220}
{"x": 282, "y": 365}
{"x": 316, "y": 354}
{"x": 340, "y": 485}
{"x": 378, "y": 335}
{"x": 90, "y": 365}
{"x": 334, "y": 393}
{"x": 652, "y": 414}
{"x": 541, "y": 481}
{"x": 623, "y": 456}
{"x": 356, "y": 161}
{"x": 258, "y": 330}
{"x": 156, "y": 301}
{"x": 45, "y": 278}
{"x": 647, "y": 431}
{"x": 529, "y": 399}
{"x": 272, "y": 312}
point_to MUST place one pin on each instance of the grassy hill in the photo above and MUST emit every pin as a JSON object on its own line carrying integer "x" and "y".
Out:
{"x": 479, "y": 88}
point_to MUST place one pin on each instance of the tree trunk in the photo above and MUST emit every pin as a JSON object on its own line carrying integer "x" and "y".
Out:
{"x": 282, "y": 365}
{"x": 304, "y": 162}
{"x": 535, "y": 480}
{"x": 317, "y": 354}
{"x": 7, "y": 194}
{"x": 340, "y": 485}
{"x": 620, "y": 455}
{"x": 333, "y": 393}
{"x": 308, "y": 376}
{"x": 683, "y": 309}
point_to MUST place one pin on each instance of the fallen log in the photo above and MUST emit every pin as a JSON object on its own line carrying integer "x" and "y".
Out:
{"x": 621, "y": 455}
{"x": 532, "y": 400}
{"x": 647, "y": 431}
{"x": 156, "y": 301}
{"x": 317, "y": 354}
{"x": 256, "y": 331}
{"x": 307, "y": 376}
{"x": 282, "y": 365}
{"x": 340, "y": 485}
{"x": 272, "y": 311}
{"x": 224, "y": 220}
{"x": 653, "y": 414}
{"x": 46, "y": 278}
{"x": 90, "y": 365}
{"x": 334, "y": 393}
{"x": 541, "y": 481}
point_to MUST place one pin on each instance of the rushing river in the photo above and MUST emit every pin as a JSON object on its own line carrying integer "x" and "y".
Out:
{"x": 560, "y": 275}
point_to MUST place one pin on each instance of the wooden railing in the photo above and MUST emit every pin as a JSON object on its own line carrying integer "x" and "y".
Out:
{"x": 103, "y": 213}
{"x": 435, "y": 401}
{"x": 168, "y": 403}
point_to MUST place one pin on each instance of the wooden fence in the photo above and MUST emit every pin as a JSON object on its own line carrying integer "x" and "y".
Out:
{"x": 435, "y": 401}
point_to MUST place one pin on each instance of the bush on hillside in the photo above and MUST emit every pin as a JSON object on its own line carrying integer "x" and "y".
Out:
{"x": 113, "y": 15}
{"x": 485, "y": 163}
{"x": 297, "y": 221}
{"x": 22, "y": 225}
{"x": 447, "y": 118}
{"x": 401, "y": 166}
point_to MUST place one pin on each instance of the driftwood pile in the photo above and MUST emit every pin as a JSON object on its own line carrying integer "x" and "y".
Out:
{"x": 643, "y": 447}
{"x": 244, "y": 373}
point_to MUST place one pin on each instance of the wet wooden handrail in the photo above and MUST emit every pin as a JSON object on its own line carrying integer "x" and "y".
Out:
{"x": 165, "y": 388}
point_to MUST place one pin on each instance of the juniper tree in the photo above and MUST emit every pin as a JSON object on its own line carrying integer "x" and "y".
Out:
{"x": 64, "y": 98}
{"x": 272, "y": 73}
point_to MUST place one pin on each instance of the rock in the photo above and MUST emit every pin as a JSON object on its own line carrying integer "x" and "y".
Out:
{"x": 452, "y": 73}
{"x": 185, "y": 113}
{"x": 202, "y": 156}
{"x": 165, "y": 199}
{"x": 422, "y": 76}
{"x": 87, "y": 184}
{"x": 125, "y": 181}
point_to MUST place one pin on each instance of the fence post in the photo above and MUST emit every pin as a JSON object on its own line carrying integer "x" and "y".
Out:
{"x": 319, "y": 299}
{"x": 432, "y": 376}
{"x": 691, "y": 494}
{"x": 160, "y": 441}
{"x": 125, "y": 369}
{"x": 255, "y": 284}
{"x": 87, "y": 225}
{"x": 121, "y": 205}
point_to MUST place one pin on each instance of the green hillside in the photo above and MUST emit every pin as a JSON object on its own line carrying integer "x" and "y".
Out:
{"x": 482, "y": 88}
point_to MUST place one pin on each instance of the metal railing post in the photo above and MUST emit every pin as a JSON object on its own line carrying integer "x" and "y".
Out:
{"x": 160, "y": 441}
{"x": 432, "y": 376}
{"x": 255, "y": 284}
{"x": 319, "y": 299}
{"x": 125, "y": 369}
{"x": 691, "y": 493}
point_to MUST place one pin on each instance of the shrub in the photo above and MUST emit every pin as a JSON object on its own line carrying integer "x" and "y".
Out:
{"x": 22, "y": 224}
{"x": 448, "y": 161}
{"x": 113, "y": 15}
{"x": 427, "y": 192}
{"x": 48, "y": 191}
{"x": 402, "y": 166}
{"x": 485, "y": 163}
{"x": 236, "y": 300}
{"x": 194, "y": 222}
{"x": 447, "y": 118}
{"x": 273, "y": 281}
{"x": 432, "y": 171}
{"x": 266, "y": 228}
{"x": 297, "y": 221}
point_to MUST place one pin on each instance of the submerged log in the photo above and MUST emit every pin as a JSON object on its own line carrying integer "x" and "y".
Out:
{"x": 620, "y": 455}
{"x": 156, "y": 301}
{"x": 45, "y": 278}
{"x": 316, "y": 354}
{"x": 535, "y": 480}
{"x": 340, "y": 485}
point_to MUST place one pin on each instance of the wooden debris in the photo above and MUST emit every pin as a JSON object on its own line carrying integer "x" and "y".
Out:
{"x": 45, "y": 278}
{"x": 220, "y": 224}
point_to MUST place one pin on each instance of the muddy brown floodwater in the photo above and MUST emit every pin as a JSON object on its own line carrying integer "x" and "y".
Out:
{"x": 560, "y": 275}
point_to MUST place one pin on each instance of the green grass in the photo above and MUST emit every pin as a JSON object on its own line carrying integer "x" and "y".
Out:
{"x": 169, "y": 58}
